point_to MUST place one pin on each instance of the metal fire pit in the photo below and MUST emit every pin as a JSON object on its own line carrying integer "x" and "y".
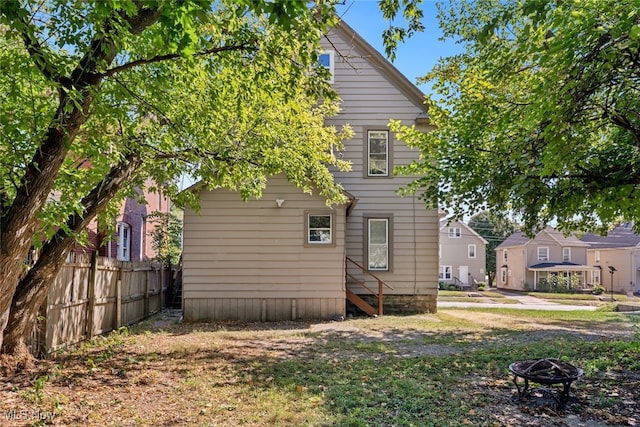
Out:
{"x": 545, "y": 372}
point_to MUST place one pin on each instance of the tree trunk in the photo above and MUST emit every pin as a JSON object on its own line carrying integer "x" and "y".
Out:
{"x": 31, "y": 294}
{"x": 19, "y": 222}
{"x": 34, "y": 287}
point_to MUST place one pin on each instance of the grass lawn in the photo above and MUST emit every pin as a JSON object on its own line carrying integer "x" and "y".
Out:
{"x": 444, "y": 369}
{"x": 578, "y": 297}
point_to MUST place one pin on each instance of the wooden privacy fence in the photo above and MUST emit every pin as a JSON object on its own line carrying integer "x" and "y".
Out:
{"x": 92, "y": 296}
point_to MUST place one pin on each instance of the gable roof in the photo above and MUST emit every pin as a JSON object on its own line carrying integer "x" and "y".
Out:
{"x": 383, "y": 65}
{"x": 561, "y": 239}
{"x": 516, "y": 239}
{"x": 445, "y": 223}
{"x": 621, "y": 236}
{"x": 521, "y": 239}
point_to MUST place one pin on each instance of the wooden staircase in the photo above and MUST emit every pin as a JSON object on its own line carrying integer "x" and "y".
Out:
{"x": 360, "y": 278}
{"x": 361, "y": 304}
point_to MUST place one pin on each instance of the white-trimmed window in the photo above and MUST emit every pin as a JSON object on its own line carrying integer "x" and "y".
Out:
{"x": 595, "y": 277}
{"x": 471, "y": 250}
{"x": 378, "y": 244}
{"x": 597, "y": 256}
{"x": 142, "y": 239}
{"x": 455, "y": 232}
{"x": 566, "y": 254}
{"x": 124, "y": 241}
{"x": 503, "y": 275}
{"x": 325, "y": 59}
{"x": 319, "y": 229}
{"x": 504, "y": 255}
{"x": 543, "y": 253}
{"x": 446, "y": 272}
{"x": 377, "y": 153}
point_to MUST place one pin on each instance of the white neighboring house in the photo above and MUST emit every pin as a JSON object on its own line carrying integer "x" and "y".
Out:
{"x": 463, "y": 255}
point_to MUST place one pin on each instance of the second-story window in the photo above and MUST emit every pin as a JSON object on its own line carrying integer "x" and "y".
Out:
{"x": 325, "y": 59}
{"x": 471, "y": 250}
{"x": 543, "y": 254}
{"x": 566, "y": 254}
{"x": 377, "y": 153}
{"x": 454, "y": 232}
{"x": 504, "y": 255}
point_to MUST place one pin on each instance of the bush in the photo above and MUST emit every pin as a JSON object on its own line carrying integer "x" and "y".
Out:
{"x": 481, "y": 287}
{"x": 598, "y": 290}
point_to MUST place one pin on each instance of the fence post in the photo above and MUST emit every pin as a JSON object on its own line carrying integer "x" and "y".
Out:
{"x": 91, "y": 290}
{"x": 161, "y": 280}
{"x": 119, "y": 298}
{"x": 146, "y": 293}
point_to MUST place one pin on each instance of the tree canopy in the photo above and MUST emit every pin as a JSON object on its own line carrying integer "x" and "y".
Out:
{"x": 100, "y": 97}
{"x": 539, "y": 115}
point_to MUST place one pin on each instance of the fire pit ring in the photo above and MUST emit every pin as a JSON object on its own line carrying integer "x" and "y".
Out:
{"x": 545, "y": 372}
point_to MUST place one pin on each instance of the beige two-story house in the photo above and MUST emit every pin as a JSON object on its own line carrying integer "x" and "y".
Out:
{"x": 617, "y": 256}
{"x": 289, "y": 256}
{"x": 462, "y": 255}
{"x": 524, "y": 263}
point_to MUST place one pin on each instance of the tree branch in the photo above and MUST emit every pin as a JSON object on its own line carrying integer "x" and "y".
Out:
{"x": 19, "y": 20}
{"x": 171, "y": 56}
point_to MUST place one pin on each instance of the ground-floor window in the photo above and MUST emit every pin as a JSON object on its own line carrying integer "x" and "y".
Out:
{"x": 378, "y": 247}
{"x": 319, "y": 229}
{"x": 445, "y": 272}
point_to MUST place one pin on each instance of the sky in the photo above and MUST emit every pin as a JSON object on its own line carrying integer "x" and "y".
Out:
{"x": 414, "y": 57}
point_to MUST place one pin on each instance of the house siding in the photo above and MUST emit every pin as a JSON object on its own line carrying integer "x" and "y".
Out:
{"x": 626, "y": 261}
{"x": 516, "y": 267}
{"x": 369, "y": 100}
{"x": 248, "y": 260}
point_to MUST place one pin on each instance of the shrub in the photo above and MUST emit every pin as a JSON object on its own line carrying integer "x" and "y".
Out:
{"x": 598, "y": 289}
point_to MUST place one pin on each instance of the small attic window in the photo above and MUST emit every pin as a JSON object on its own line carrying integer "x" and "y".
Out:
{"x": 325, "y": 59}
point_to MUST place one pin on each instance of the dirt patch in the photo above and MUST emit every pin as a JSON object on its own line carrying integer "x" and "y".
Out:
{"x": 169, "y": 373}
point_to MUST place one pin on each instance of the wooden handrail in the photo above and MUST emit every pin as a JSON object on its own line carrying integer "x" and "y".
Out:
{"x": 368, "y": 273}
{"x": 381, "y": 283}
